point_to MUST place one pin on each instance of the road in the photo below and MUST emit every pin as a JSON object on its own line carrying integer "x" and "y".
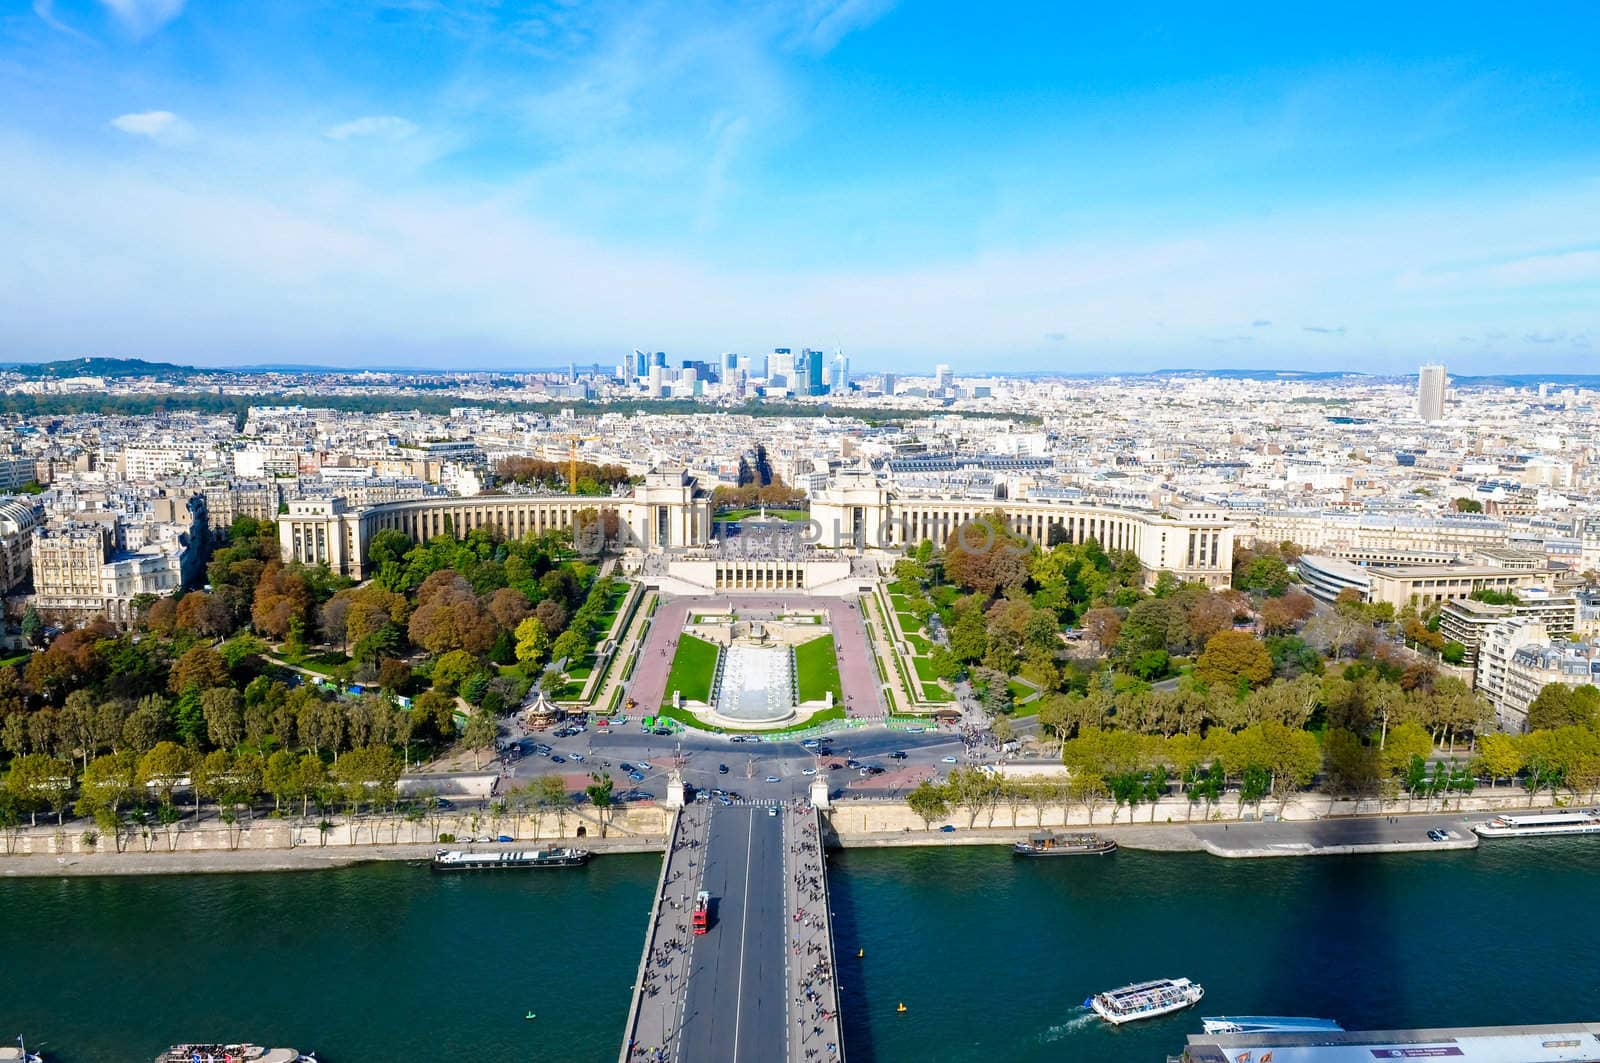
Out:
{"x": 736, "y": 1009}
{"x": 1364, "y": 830}
{"x": 749, "y": 763}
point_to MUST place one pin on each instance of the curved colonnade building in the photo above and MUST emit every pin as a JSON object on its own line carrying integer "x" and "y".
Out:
{"x": 668, "y": 520}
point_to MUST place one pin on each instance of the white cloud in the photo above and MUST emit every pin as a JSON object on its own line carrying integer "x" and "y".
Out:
{"x": 46, "y": 10}
{"x": 143, "y": 17}
{"x": 386, "y": 126}
{"x": 164, "y": 127}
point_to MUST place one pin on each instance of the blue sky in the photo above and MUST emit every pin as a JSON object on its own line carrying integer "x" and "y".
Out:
{"x": 1027, "y": 187}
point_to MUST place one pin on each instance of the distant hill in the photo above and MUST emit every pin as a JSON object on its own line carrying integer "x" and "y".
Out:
{"x": 109, "y": 367}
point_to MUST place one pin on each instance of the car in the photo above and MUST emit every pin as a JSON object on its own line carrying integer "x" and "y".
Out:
{"x": 733, "y": 795}
{"x": 662, "y": 732}
{"x": 915, "y": 730}
{"x": 557, "y": 758}
{"x": 898, "y": 754}
{"x": 835, "y": 766}
{"x": 949, "y": 758}
{"x": 725, "y": 800}
{"x": 625, "y": 766}
{"x": 809, "y": 771}
{"x": 772, "y": 810}
{"x": 722, "y": 769}
{"x": 852, "y": 762}
{"x": 718, "y": 792}
{"x": 636, "y": 776}
{"x": 772, "y": 778}
{"x": 947, "y": 829}
{"x": 811, "y": 743}
{"x": 875, "y": 769}
{"x": 575, "y": 756}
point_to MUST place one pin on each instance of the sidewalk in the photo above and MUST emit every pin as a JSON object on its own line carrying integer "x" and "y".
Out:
{"x": 813, "y": 1005}
{"x": 656, "y": 1016}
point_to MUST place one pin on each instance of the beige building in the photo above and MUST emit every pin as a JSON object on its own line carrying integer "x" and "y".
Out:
{"x": 668, "y": 511}
{"x": 857, "y": 510}
{"x": 18, "y": 519}
{"x": 1326, "y": 532}
{"x": 1517, "y": 660}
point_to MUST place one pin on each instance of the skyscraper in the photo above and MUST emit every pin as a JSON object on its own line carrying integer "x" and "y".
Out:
{"x": 840, "y": 378}
{"x": 813, "y": 372}
{"x": 941, "y": 378}
{"x": 1431, "y": 383}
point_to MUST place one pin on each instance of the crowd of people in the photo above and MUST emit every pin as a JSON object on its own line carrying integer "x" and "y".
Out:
{"x": 813, "y": 993}
{"x": 667, "y": 966}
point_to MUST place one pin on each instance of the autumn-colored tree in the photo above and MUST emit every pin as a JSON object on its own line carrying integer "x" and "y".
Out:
{"x": 509, "y": 606}
{"x": 552, "y": 614}
{"x": 281, "y": 597}
{"x": 204, "y": 614}
{"x": 1104, "y": 625}
{"x": 448, "y": 616}
{"x": 985, "y": 556}
{"x": 201, "y": 667}
{"x": 162, "y": 616}
{"x": 1234, "y": 655}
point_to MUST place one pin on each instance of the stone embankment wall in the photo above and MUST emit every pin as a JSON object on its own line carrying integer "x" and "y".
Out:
{"x": 212, "y": 835}
{"x": 849, "y": 819}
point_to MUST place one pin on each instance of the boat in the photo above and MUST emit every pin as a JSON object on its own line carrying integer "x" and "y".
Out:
{"x": 1586, "y": 821}
{"x": 466, "y": 860}
{"x": 1145, "y": 1000}
{"x": 19, "y": 1054}
{"x": 231, "y": 1053}
{"x": 1268, "y": 1024}
{"x": 1045, "y": 844}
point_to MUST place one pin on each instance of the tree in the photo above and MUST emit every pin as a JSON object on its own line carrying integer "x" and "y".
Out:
{"x": 1499, "y": 756}
{"x": 1232, "y": 656}
{"x": 533, "y": 645}
{"x": 223, "y": 710}
{"x": 930, "y": 801}
{"x": 599, "y": 794}
{"x": 985, "y": 556}
{"x": 40, "y": 782}
{"x": 1558, "y": 705}
{"x": 551, "y": 794}
{"x": 164, "y": 769}
{"x": 201, "y": 667}
{"x": 479, "y": 735}
{"x": 33, "y": 627}
{"x": 1264, "y": 575}
{"x": 1407, "y": 742}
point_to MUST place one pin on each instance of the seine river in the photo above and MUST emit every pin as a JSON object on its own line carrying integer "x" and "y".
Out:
{"x": 992, "y": 956}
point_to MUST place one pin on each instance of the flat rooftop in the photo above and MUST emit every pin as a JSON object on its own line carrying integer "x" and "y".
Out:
{"x": 1572, "y": 1042}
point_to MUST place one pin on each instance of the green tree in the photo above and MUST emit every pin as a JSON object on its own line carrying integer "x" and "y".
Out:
{"x": 164, "y": 769}
{"x": 1499, "y": 756}
{"x": 40, "y": 782}
{"x": 533, "y": 644}
{"x": 930, "y": 801}
{"x": 479, "y": 735}
{"x": 33, "y": 627}
{"x": 599, "y": 794}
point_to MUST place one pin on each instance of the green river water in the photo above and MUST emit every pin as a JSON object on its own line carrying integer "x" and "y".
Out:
{"x": 991, "y": 955}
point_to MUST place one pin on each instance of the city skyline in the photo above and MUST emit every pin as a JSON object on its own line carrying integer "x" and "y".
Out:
{"x": 438, "y": 186}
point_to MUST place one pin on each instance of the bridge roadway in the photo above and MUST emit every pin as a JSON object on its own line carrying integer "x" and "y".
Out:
{"x": 758, "y": 986}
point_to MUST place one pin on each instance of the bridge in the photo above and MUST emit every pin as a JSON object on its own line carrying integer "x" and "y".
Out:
{"x": 759, "y": 984}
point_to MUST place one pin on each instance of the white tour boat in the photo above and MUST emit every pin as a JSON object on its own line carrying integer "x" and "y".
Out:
{"x": 1586, "y": 821}
{"x": 1145, "y": 1000}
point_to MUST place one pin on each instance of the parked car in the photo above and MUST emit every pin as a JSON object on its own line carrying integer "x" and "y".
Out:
{"x": 557, "y": 758}
{"x": 662, "y": 732}
{"x": 898, "y": 754}
{"x": 809, "y": 771}
{"x": 949, "y": 758}
{"x": 636, "y": 776}
{"x": 722, "y": 769}
{"x": 575, "y": 756}
{"x": 625, "y": 766}
{"x": 772, "y": 778}
{"x": 947, "y": 829}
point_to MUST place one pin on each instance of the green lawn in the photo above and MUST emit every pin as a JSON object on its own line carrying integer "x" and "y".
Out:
{"x": 924, "y": 667}
{"x": 781, "y": 514}
{"x": 1019, "y": 689}
{"x": 323, "y": 663}
{"x": 937, "y": 693}
{"x": 908, "y": 622}
{"x": 693, "y": 666}
{"x": 817, "y": 670}
{"x": 21, "y": 658}
{"x": 918, "y": 643}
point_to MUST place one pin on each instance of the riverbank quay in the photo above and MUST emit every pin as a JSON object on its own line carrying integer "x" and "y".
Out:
{"x": 302, "y": 858}
{"x": 1302, "y": 827}
{"x": 1248, "y": 840}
